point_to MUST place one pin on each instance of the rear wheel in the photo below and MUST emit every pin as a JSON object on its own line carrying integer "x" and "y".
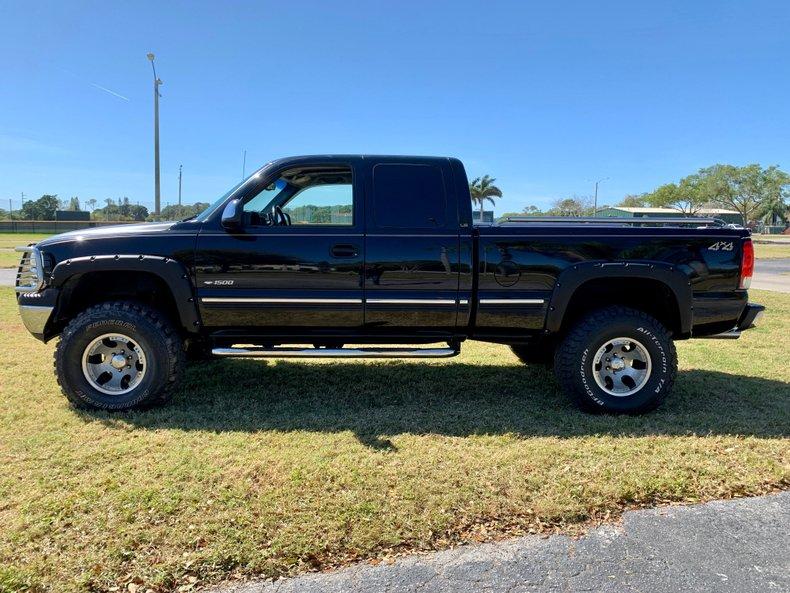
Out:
{"x": 617, "y": 360}
{"x": 118, "y": 355}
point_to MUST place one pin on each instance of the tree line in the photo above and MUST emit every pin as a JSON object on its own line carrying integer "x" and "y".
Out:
{"x": 757, "y": 193}
{"x": 120, "y": 209}
{"x": 754, "y": 191}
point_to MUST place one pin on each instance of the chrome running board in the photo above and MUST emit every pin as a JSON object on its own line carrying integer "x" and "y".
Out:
{"x": 254, "y": 352}
{"x": 732, "y": 334}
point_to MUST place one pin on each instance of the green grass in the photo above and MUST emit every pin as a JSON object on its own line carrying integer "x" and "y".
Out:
{"x": 771, "y": 250}
{"x": 274, "y": 468}
{"x": 10, "y": 258}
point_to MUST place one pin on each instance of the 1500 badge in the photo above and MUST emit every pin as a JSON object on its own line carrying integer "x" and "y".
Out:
{"x": 219, "y": 282}
{"x": 721, "y": 246}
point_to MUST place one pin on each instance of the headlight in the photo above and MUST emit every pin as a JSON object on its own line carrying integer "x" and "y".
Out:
{"x": 30, "y": 274}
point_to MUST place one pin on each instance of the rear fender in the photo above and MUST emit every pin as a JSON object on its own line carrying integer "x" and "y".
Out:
{"x": 575, "y": 276}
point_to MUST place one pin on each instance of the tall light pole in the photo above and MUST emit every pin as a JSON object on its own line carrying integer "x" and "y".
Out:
{"x": 179, "y": 184}
{"x": 595, "y": 203}
{"x": 157, "y": 83}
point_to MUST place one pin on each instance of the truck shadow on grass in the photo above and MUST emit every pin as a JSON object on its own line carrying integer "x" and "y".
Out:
{"x": 376, "y": 400}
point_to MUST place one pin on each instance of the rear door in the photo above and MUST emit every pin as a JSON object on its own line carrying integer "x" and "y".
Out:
{"x": 411, "y": 245}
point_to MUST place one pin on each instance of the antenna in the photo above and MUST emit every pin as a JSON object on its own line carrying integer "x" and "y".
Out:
{"x": 244, "y": 164}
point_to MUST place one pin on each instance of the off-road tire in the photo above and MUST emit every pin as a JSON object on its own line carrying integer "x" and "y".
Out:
{"x": 154, "y": 333}
{"x": 573, "y": 360}
{"x": 534, "y": 354}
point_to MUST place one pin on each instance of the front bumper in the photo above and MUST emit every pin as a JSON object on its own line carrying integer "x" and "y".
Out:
{"x": 36, "y": 310}
{"x": 35, "y": 318}
{"x": 748, "y": 319}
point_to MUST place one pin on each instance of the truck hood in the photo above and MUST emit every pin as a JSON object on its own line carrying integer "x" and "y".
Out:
{"x": 116, "y": 230}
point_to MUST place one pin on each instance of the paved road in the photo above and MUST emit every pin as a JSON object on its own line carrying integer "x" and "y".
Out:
{"x": 772, "y": 274}
{"x": 738, "y": 546}
{"x": 7, "y": 277}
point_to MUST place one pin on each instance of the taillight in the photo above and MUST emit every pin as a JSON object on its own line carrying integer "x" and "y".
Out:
{"x": 747, "y": 264}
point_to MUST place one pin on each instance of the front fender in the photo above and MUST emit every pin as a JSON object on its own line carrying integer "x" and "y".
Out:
{"x": 171, "y": 271}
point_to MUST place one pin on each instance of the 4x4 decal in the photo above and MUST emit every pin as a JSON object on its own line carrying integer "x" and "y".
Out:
{"x": 722, "y": 246}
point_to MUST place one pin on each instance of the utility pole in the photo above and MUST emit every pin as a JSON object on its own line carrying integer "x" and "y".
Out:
{"x": 10, "y": 210}
{"x": 595, "y": 203}
{"x": 244, "y": 164}
{"x": 179, "y": 184}
{"x": 157, "y": 83}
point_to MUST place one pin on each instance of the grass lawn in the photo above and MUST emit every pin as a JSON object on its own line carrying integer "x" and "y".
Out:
{"x": 10, "y": 258}
{"x": 274, "y": 468}
{"x": 771, "y": 250}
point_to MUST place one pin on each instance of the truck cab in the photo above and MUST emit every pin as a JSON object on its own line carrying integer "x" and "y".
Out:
{"x": 345, "y": 247}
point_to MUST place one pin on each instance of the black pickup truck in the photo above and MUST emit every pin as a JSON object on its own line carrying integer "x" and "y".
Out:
{"x": 312, "y": 253}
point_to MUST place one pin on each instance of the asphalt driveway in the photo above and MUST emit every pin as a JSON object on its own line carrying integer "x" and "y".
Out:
{"x": 739, "y": 546}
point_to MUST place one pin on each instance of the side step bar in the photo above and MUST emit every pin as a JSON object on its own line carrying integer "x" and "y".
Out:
{"x": 254, "y": 352}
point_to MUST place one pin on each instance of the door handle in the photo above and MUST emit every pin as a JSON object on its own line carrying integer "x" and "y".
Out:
{"x": 344, "y": 250}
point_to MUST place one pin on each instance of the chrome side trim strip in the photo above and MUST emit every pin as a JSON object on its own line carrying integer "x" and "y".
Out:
{"x": 319, "y": 301}
{"x": 281, "y": 301}
{"x": 411, "y": 301}
{"x": 511, "y": 301}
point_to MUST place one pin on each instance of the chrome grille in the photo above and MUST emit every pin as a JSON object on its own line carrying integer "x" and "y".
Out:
{"x": 30, "y": 274}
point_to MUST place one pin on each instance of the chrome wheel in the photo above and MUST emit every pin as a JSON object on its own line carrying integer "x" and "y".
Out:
{"x": 621, "y": 366}
{"x": 114, "y": 364}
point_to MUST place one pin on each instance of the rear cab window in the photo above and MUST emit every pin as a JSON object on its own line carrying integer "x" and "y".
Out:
{"x": 409, "y": 196}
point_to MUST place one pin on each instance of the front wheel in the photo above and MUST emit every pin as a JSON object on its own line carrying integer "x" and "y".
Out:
{"x": 117, "y": 356}
{"x": 617, "y": 360}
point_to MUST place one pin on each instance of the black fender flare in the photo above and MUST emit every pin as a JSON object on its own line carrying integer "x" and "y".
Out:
{"x": 574, "y": 276}
{"x": 171, "y": 271}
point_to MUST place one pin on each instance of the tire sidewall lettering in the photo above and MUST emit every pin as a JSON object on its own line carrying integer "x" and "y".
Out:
{"x": 655, "y": 384}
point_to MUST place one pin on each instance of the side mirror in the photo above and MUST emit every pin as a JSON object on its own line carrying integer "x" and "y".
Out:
{"x": 231, "y": 216}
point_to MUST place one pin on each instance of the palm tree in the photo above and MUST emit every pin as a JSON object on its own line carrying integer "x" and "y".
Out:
{"x": 774, "y": 210}
{"x": 482, "y": 189}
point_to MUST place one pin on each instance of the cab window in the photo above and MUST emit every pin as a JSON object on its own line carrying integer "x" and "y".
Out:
{"x": 305, "y": 196}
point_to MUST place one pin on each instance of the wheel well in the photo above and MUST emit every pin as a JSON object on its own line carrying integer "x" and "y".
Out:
{"x": 85, "y": 290}
{"x": 651, "y": 296}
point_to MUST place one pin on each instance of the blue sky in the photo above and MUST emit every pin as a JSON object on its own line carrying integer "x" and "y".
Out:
{"x": 545, "y": 96}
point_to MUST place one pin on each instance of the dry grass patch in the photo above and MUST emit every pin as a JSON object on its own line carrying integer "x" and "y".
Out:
{"x": 272, "y": 468}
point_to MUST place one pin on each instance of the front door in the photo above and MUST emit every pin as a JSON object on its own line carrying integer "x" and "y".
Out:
{"x": 298, "y": 259}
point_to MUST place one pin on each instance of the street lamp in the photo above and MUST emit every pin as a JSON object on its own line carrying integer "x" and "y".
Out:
{"x": 157, "y": 83}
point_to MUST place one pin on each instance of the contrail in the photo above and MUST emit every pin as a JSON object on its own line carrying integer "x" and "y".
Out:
{"x": 106, "y": 90}
{"x": 93, "y": 84}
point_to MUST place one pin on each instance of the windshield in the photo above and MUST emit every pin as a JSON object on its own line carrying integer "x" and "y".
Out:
{"x": 219, "y": 201}
{"x": 207, "y": 212}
